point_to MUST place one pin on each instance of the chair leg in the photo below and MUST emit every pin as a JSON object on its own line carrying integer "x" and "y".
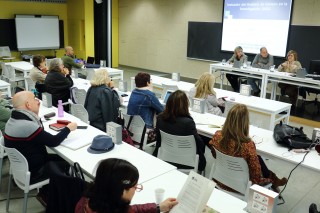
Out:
{"x": 25, "y": 202}
{"x": 9, "y": 193}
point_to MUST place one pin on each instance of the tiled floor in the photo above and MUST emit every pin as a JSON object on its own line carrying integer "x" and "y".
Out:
{"x": 302, "y": 189}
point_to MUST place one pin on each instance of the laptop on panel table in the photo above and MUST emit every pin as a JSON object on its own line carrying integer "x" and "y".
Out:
{"x": 166, "y": 97}
{"x": 301, "y": 73}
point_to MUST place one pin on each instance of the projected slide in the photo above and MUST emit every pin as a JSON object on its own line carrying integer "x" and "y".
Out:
{"x": 252, "y": 24}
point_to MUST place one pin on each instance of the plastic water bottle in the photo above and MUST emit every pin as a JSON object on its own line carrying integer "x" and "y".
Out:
{"x": 60, "y": 108}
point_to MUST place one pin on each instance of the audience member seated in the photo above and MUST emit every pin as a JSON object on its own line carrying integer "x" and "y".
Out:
{"x": 24, "y": 131}
{"x": 39, "y": 72}
{"x": 263, "y": 60}
{"x": 176, "y": 120}
{"x": 5, "y": 112}
{"x": 69, "y": 59}
{"x": 113, "y": 189}
{"x": 291, "y": 65}
{"x": 242, "y": 58}
{"x": 58, "y": 83}
{"x": 204, "y": 89}
{"x": 143, "y": 102}
{"x": 102, "y": 102}
{"x": 234, "y": 140}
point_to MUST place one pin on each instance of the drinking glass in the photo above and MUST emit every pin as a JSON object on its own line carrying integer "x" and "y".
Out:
{"x": 223, "y": 61}
{"x": 248, "y": 64}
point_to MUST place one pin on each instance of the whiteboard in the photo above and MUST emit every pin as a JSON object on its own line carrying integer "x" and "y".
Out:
{"x": 35, "y": 32}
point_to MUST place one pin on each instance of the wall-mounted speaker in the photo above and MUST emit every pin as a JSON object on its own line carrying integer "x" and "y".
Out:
{"x": 99, "y": 1}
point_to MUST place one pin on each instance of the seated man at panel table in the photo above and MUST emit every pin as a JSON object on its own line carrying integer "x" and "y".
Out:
{"x": 24, "y": 131}
{"x": 69, "y": 59}
{"x": 263, "y": 60}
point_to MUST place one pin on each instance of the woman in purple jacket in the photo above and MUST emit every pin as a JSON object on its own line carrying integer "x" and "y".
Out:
{"x": 114, "y": 186}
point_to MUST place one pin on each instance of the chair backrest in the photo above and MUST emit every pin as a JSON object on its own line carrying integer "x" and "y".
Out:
{"x": 90, "y": 74}
{"x": 30, "y": 82}
{"x": 231, "y": 171}
{"x": 5, "y": 72}
{"x": 137, "y": 127}
{"x": 166, "y": 87}
{"x": 81, "y": 96}
{"x": 5, "y": 51}
{"x": 19, "y": 167}
{"x": 179, "y": 149}
{"x": 80, "y": 112}
{"x": 11, "y": 73}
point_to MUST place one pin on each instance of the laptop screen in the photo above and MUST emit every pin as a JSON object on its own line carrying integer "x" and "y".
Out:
{"x": 168, "y": 93}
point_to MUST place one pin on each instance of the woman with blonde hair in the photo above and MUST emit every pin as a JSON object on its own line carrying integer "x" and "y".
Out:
{"x": 291, "y": 65}
{"x": 102, "y": 102}
{"x": 234, "y": 140}
{"x": 204, "y": 89}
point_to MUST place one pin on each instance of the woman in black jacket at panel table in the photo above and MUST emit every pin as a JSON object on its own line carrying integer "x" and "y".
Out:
{"x": 176, "y": 120}
{"x": 58, "y": 83}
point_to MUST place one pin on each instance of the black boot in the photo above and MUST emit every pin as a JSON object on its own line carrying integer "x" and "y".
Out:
{"x": 313, "y": 208}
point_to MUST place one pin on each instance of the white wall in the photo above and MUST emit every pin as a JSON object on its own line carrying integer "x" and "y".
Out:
{"x": 153, "y": 33}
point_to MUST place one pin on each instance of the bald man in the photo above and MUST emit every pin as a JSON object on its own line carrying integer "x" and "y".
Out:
{"x": 68, "y": 59}
{"x": 24, "y": 131}
{"x": 263, "y": 61}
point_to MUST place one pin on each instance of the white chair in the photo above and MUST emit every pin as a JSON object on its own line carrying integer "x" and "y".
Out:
{"x": 78, "y": 96}
{"x": 19, "y": 170}
{"x": 30, "y": 84}
{"x": 138, "y": 128}
{"x": 228, "y": 106}
{"x": 179, "y": 149}
{"x": 80, "y": 112}
{"x": 2, "y": 155}
{"x": 232, "y": 172}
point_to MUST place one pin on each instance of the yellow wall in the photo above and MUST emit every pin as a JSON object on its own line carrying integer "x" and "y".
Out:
{"x": 10, "y": 8}
{"x": 115, "y": 33}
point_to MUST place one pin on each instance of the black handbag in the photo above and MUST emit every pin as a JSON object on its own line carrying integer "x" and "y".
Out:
{"x": 291, "y": 137}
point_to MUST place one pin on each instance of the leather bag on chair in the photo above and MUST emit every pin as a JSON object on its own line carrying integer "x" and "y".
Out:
{"x": 291, "y": 137}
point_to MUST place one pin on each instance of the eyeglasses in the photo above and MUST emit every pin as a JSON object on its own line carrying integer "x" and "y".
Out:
{"x": 138, "y": 187}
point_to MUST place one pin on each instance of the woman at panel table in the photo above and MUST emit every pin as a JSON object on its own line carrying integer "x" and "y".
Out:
{"x": 291, "y": 65}
{"x": 39, "y": 72}
{"x": 144, "y": 102}
{"x": 176, "y": 120}
{"x": 242, "y": 58}
{"x": 102, "y": 102}
{"x": 234, "y": 140}
{"x": 204, "y": 89}
{"x": 58, "y": 83}
{"x": 113, "y": 188}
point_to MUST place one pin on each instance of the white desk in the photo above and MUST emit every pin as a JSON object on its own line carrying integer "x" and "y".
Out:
{"x": 266, "y": 145}
{"x": 173, "y": 182}
{"x": 247, "y": 72}
{"x": 7, "y": 86}
{"x": 113, "y": 73}
{"x": 284, "y": 77}
{"x": 149, "y": 167}
{"x": 270, "y": 107}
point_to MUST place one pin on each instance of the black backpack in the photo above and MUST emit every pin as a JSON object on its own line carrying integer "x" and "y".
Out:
{"x": 291, "y": 137}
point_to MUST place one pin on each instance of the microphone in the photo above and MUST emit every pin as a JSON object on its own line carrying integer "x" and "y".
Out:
{"x": 49, "y": 115}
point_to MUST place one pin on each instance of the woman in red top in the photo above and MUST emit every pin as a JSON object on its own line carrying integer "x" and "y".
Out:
{"x": 113, "y": 188}
{"x": 234, "y": 140}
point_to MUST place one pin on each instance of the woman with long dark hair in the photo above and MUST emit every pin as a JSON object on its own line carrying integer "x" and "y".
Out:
{"x": 176, "y": 120}
{"x": 113, "y": 188}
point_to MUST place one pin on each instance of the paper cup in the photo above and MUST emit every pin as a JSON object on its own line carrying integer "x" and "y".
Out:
{"x": 159, "y": 193}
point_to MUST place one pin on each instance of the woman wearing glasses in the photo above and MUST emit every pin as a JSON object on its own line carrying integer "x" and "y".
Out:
{"x": 291, "y": 65}
{"x": 112, "y": 191}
